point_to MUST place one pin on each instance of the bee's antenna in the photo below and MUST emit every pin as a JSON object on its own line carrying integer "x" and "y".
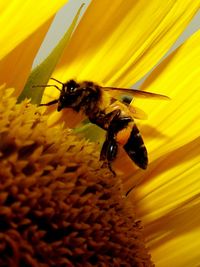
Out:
{"x": 50, "y": 103}
{"x": 56, "y": 80}
{"x": 48, "y": 85}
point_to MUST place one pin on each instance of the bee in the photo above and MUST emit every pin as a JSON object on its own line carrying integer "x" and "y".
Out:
{"x": 102, "y": 107}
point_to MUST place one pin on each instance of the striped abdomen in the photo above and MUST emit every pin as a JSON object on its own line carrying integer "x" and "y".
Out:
{"x": 136, "y": 149}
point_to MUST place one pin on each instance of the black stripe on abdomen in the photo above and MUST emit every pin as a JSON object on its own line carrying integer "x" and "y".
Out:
{"x": 136, "y": 149}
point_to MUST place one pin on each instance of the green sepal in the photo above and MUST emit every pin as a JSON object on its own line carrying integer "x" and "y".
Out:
{"x": 91, "y": 132}
{"x": 42, "y": 73}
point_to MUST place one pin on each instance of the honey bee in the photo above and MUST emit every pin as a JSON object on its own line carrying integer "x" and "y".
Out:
{"x": 116, "y": 117}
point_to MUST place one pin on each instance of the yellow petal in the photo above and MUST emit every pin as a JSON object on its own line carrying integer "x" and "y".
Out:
{"x": 168, "y": 254}
{"x": 15, "y": 67}
{"x": 168, "y": 199}
{"x": 120, "y": 42}
{"x": 174, "y": 123}
{"x": 19, "y": 19}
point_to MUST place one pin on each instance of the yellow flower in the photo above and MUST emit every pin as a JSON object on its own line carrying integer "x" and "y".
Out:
{"x": 117, "y": 44}
{"x": 58, "y": 207}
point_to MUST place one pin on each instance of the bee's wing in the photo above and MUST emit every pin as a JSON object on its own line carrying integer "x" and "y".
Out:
{"x": 134, "y": 92}
{"x": 137, "y": 113}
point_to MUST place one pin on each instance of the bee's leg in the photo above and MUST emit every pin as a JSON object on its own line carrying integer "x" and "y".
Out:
{"x": 110, "y": 168}
{"x": 112, "y": 116}
{"x": 109, "y": 152}
{"x": 115, "y": 123}
{"x": 103, "y": 120}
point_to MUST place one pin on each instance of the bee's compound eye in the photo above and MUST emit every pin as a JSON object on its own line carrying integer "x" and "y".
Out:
{"x": 71, "y": 86}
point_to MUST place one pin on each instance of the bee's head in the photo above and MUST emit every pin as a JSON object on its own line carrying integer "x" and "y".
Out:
{"x": 69, "y": 95}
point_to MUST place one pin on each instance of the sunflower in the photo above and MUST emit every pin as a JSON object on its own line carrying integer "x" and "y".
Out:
{"x": 43, "y": 190}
